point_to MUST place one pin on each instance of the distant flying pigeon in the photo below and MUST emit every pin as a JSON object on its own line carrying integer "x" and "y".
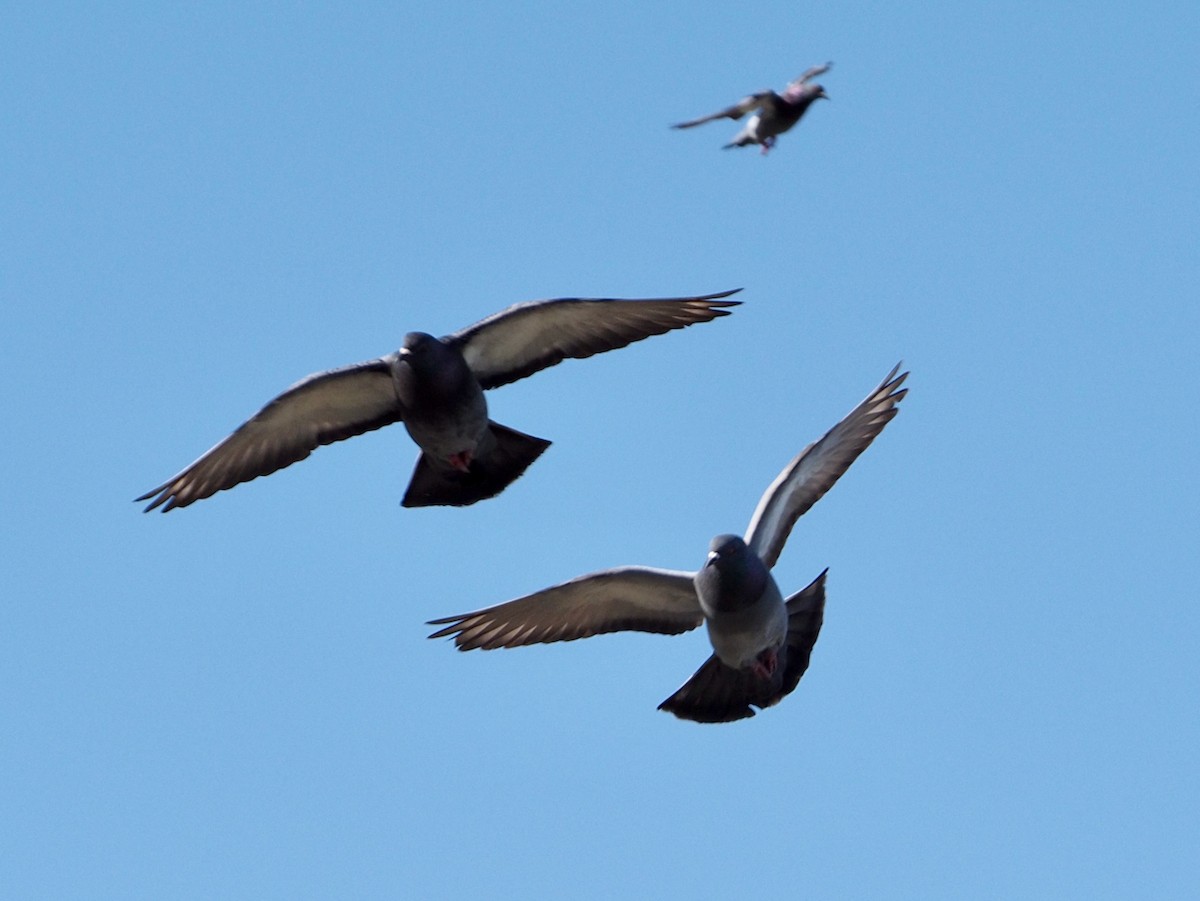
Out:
{"x": 776, "y": 112}
{"x": 435, "y": 387}
{"x": 762, "y": 642}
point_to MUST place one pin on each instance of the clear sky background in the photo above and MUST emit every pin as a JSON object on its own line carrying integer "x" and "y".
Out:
{"x": 205, "y": 203}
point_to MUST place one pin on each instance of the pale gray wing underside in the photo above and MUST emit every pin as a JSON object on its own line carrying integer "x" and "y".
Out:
{"x": 747, "y": 104}
{"x": 531, "y": 336}
{"x": 630, "y": 598}
{"x": 320, "y": 409}
{"x": 818, "y": 466}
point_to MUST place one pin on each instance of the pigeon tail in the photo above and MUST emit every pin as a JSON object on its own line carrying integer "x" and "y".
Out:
{"x": 718, "y": 693}
{"x": 437, "y": 484}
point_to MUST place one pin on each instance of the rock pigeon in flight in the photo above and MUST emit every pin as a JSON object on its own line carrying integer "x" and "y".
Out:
{"x": 761, "y": 642}
{"x": 435, "y": 387}
{"x": 776, "y": 113}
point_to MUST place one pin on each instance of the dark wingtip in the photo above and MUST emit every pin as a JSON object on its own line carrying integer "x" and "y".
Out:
{"x": 716, "y": 305}
{"x": 157, "y": 502}
{"x": 720, "y": 294}
{"x": 451, "y": 625}
{"x": 892, "y": 381}
{"x": 455, "y": 629}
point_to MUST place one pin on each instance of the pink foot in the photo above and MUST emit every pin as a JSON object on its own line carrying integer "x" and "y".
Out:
{"x": 461, "y": 461}
{"x": 765, "y": 664}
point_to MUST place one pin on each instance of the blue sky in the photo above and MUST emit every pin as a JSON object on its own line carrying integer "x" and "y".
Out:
{"x": 203, "y": 204}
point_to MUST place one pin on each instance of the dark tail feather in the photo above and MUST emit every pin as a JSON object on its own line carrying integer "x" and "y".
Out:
{"x": 509, "y": 455}
{"x": 716, "y": 694}
{"x": 721, "y": 694}
{"x": 806, "y": 615}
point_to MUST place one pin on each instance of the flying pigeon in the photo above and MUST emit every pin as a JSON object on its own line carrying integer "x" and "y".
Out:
{"x": 776, "y": 112}
{"x": 761, "y": 642}
{"x": 435, "y": 387}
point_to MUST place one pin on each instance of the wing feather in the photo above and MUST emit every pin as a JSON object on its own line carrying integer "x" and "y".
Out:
{"x": 321, "y": 409}
{"x": 747, "y": 104}
{"x": 532, "y": 336}
{"x": 629, "y": 598}
{"x": 809, "y": 74}
{"x": 806, "y": 479}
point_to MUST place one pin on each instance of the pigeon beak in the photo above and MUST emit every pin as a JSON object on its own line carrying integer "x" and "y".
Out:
{"x": 711, "y": 558}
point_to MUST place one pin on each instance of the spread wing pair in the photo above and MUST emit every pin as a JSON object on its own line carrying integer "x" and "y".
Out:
{"x": 670, "y": 602}
{"x": 435, "y": 387}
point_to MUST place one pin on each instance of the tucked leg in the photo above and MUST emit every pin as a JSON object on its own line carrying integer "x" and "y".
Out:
{"x": 461, "y": 461}
{"x": 765, "y": 664}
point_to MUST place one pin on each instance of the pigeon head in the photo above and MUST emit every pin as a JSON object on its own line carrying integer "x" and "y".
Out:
{"x": 732, "y": 575}
{"x": 802, "y": 92}
{"x": 417, "y": 346}
{"x": 724, "y": 547}
{"x": 435, "y": 372}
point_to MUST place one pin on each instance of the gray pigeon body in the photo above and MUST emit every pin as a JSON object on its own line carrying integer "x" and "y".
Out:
{"x": 720, "y": 693}
{"x": 743, "y": 608}
{"x": 774, "y": 113}
{"x": 761, "y": 643}
{"x": 435, "y": 386}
